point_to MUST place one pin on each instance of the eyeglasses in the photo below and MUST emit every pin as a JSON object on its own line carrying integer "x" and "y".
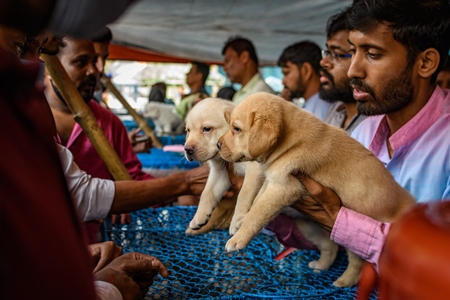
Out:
{"x": 334, "y": 55}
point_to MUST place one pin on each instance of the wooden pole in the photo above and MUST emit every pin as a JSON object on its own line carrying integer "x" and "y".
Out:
{"x": 84, "y": 116}
{"x": 138, "y": 118}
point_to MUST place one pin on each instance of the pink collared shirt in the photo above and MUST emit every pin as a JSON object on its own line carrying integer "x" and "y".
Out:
{"x": 360, "y": 234}
{"x": 87, "y": 158}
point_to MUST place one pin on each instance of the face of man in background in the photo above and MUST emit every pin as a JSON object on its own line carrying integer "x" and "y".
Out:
{"x": 79, "y": 59}
{"x": 379, "y": 71}
{"x": 102, "y": 51}
{"x": 193, "y": 76}
{"x": 233, "y": 65}
{"x": 334, "y": 82}
{"x": 293, "y": 79}
{"x": 443, "y": 79}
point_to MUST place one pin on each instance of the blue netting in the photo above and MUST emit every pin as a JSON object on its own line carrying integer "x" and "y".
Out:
{"x": 199, "y": 267}
{"x": 131, "y": 124}
{"x": 159, "y": 159}
{"x": 164, "y": 139}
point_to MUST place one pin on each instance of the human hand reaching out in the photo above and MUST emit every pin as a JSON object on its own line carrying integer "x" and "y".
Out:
{"x": 141, "y": 143}
{"x": 103, "y": 254}
{"x": 322, "y": 205}
{"x": 196, "y": 179}
{"x": 132, "y": 274}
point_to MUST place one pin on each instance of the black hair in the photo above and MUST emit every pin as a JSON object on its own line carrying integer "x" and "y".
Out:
{"x": 301, "y": 52}
{"x": 156, "y": 95}
{"x": 103, "y": 36}
{"x": 202, "y": 68}
{"x": 241, "y": 44}
{"x": 337, "y": 23}
{"x": 227, "y": 93}
{"x": 416, "y": 24}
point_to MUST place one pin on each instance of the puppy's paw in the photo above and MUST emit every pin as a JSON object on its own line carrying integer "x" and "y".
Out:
{"x": 237, "y": 242}
{"x": 345, "y": 281}
{"x": 200, "y": 219}
{"x": 235, "y": 224}
{"x": 316, "y": 266}
{"x": 189, "y": 230}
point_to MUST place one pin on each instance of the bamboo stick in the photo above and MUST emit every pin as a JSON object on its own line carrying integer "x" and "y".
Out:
{"x": 138, "y": 118}
{"x": 84, "y": 116}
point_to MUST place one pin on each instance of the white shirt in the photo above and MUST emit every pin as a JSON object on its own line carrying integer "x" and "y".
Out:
{"x": 92, "y": 197}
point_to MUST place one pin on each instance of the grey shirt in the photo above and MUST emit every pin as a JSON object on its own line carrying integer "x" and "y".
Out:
{"x": 336, "y": 116}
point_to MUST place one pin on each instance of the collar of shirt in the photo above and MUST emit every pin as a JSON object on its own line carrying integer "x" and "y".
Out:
{"x": 413, "y": 128}
{"x": 77, "y": 129}
{"x": 250, "y": 85}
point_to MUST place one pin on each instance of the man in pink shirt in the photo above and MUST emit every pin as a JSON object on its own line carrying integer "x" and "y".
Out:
{"x": 393, "y": 70}
{"x": 79, "y": 59}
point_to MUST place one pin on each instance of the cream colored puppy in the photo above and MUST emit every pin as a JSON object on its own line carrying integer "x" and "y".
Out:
{"x": 284, "y": 138}
{"x": 205, "y": 124}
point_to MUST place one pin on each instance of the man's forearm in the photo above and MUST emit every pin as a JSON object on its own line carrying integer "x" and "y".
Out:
{"x": 134, "y": 195}
{"x": 361, "y": 234}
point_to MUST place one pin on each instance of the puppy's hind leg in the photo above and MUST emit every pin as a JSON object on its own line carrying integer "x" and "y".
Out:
{"x": 351, "y": 275}
{"x": 321, "y": 239}
{"x": 216, "y": 185}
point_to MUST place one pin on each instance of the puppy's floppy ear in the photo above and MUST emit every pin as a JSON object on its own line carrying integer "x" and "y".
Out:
{"x": 227, "y": 115}
{"x": 265, "y": 128}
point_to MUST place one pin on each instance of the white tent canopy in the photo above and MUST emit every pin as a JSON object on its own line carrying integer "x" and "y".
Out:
{"x": 198, "y": 29}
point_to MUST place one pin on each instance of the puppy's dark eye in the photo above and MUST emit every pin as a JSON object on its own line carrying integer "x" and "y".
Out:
{"x": 236, "y": 129}
{"x": 207, "y": 129}
{"x": 188, "y": 130}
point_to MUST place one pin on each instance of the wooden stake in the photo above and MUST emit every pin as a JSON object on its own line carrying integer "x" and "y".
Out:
{"x": 138, "y": 118}
{"x": 84, "y": 116}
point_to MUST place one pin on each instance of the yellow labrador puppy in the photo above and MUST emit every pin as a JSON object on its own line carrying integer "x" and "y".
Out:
{"x": 205, "y": 124}
{"x": 283, "y": 138}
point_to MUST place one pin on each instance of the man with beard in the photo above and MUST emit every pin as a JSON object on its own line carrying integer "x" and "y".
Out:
{"x": 395, "y": 62}
{"x": 79, "y": 59}
{"x": 334, "y": 82}
{"x": 300, "y": 64}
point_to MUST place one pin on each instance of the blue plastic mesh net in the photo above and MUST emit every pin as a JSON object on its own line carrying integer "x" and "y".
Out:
{"x": 131, "y": 124}
{"x": 159, "y": 159}
{"x": 164, "y": 139}
{"x": 199, "y": 267}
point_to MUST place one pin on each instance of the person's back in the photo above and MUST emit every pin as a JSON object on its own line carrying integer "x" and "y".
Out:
{"x": 241, "y": 66}
{"x": 41, "y": 212}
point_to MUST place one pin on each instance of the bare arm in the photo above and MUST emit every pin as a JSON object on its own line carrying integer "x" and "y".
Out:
{"x": 134, "y": 195}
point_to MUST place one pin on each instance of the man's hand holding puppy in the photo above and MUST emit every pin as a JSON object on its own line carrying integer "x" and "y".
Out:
{"x": 322, "y": 206}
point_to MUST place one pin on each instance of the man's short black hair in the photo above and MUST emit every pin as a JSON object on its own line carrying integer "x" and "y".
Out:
{"x": 416, "y": 24}
{"x": 202, "y": 68}
{"x": 103, "y": 36}
{"x": 301, "y": 52}
{"x": 241, "y": 44}
{"x": 337, "y": 23}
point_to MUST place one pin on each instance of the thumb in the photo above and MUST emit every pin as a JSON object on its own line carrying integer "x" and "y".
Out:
{"x": 135, "y": 266}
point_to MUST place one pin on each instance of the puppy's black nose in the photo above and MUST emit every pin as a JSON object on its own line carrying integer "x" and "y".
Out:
{"x": 219, "y": 145}
{"x": 190, "y": 150}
